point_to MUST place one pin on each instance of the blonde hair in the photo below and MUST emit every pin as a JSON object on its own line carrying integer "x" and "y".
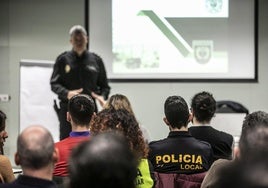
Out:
{"x": 119, "y": 101}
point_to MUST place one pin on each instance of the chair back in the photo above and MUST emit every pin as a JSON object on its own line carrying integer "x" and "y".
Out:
{"x": 173, "y": 180}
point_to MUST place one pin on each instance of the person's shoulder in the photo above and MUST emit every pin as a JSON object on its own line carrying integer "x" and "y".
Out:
{"x": 157, "y": 143}
{"x": 96, "y": 56}
{"x": 62, "y": 56}
{"x": 4, "y": 159}
{"x": 202, "y": 143}
{"x": 221, "y": 162}
{"x": 192, "y": 128}
{"x": 62, "y": 142}
{"x": 224, "y": 135}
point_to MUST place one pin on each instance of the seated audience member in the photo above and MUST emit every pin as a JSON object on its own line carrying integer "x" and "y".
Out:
{"x": 80, "y": 110}
{"x": 37, "y": 155}
{"x": 125, "y": 123}
{"x": 251, "y": 170}
{"x": 103, "y": 162}
{"x": 203, "y": 107}
{"x": 250, "y": 151}
{"x": 6, "y": 173}
{"x": 179, "y": 152}
{"x": 119, "y": 101}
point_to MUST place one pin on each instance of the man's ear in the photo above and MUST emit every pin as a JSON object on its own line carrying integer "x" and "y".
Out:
{"x": 190, "y": 119}
{"x": 166, "y": 121}
{"x": 68, "y": 117}
{"x": 17, "y": 159}
{"x": 191, "y": 111}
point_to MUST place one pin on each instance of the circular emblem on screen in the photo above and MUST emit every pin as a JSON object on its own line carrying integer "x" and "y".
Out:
{"x": 214, "y": 6}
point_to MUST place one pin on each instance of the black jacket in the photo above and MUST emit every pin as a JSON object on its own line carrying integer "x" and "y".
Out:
{"x": 180, "y": 153}
{"x": 72, "y": 72}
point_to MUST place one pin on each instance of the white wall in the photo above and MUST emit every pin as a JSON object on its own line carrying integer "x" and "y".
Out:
{"x": 34, "y": 29}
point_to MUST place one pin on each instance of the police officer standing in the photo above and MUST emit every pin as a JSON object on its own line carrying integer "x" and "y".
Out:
{"x": 77, "y": 71}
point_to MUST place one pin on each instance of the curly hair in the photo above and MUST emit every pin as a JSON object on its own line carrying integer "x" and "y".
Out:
{"x": 203, "y": 106}
{"x": 121, "y": 121}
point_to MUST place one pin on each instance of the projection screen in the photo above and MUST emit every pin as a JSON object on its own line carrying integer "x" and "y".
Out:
{"x": 175, "y": 40}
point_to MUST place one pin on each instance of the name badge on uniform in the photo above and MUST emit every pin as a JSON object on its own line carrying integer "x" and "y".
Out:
{"x": 67, "y": 68}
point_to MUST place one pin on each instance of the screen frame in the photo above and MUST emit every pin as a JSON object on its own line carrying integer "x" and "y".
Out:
{"x": 192, "y": 80}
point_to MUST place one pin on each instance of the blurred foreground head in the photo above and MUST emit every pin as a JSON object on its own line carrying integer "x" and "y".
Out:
{"x": 104, "y": 161}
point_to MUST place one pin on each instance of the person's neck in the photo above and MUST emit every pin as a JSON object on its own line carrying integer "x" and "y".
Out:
{"x": 80, "y": 128}
{"x": 177, "y": 129}
{"x": 195, "y": 122}
{"x": 79, "y": 52}
{"x": 44, "y": 173}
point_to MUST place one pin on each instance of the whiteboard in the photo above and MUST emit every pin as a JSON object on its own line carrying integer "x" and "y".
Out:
{"x": 36, "y": 97}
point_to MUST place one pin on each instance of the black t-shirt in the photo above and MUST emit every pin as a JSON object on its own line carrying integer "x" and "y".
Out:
{"x": 221, "y": 142}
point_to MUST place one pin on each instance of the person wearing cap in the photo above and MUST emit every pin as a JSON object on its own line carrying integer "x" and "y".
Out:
{"x": 77, "y": 71}
{"x": 180, "y": 152}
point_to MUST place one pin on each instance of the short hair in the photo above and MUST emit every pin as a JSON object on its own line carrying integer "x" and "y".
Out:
{"x": 35, "y": 147}
{"x": 253, "y": 120}
{"x": 104, "y": 161}
{"x": 3, "y": 118}
{"x": 176, "y": 111}
{"x": 254, "y": 135}
{"x": 81, "y": 107}
{"x": 203, "y": 106}
{"x": 77, "y": 29}
{"x": 251, "y": 170}
{"x": 253, "y": 145}
{"x": 125, "y": 123}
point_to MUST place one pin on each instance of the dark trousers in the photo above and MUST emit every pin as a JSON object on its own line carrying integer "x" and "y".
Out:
{"x": 65, "y": 126}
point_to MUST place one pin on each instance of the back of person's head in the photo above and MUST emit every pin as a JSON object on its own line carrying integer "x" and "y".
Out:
{"x": 105, "y": 161}
{"x": 3, "y": 118}
{"x": 77, "y": 29}
{"x": 176, "y": 111}
{"x": 35, "y": 148}
{"x": 124, "y": 122}
{"x": 119, "y": 101}
{"x": 251, "y": 170}
{"x": 81, "y": 108}
{"x": 203, "y": 106}
{"x": 253, "y": 120}
{"x": 254, "y": 127}
{"x": 253, "y": 145}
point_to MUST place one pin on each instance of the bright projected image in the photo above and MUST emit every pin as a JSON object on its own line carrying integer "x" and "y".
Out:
{"x": 183, "y": 39}
{"x": 158, "y": 40}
